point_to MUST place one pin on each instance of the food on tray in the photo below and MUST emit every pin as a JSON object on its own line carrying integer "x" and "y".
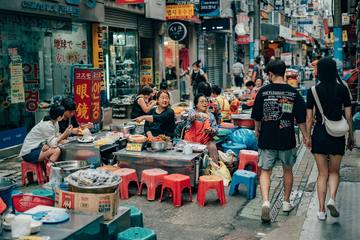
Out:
{"x": 160, "y": 138}
{"x": 93, "y": 177}
{"x": 137, "y": 138}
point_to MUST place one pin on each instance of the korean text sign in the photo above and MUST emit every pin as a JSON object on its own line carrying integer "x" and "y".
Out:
{"x": 87, "y": 85}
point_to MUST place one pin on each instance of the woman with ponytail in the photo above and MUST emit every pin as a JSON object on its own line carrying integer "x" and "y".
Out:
{"x": 328, "y": 150}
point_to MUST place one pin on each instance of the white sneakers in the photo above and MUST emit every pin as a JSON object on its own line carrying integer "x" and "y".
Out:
{"x": 332, "y": 208}
{"x": 287, "y": 207}
{"x": 321, "y": 216}
{"x": 265, "y": 212}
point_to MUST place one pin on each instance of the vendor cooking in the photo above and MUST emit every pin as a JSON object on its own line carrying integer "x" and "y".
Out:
{"x": 41, "y": 142}
{"x": 69, "y": 118}
{"x": 203, "y": 126}
{"x": 161, "y": 120}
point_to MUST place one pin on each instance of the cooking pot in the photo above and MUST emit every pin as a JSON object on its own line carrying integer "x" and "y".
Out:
{"x": 158, "y": 146}
{"x": 123, "y": 128}
{"x": 68, "y": 167}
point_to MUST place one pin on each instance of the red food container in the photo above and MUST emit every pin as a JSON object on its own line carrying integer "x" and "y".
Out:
{"x": 243, "y": 120}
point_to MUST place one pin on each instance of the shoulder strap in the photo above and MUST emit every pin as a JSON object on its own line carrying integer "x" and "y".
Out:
{"x": 317, "y": 100}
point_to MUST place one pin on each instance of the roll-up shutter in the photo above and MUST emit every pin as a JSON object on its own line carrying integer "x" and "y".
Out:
{"x": 146, "y": 29}
{"x": 120, "y": 19}
{"x": 215, "y": 59}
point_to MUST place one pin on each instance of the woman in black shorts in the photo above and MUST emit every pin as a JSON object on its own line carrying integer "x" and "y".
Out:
{"x": 328, "y": 150}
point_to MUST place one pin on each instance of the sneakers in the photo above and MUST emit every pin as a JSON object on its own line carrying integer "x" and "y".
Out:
{"x": 332, "y": 208}
{"x": 287, "y": 207}
{"x": 265, "y": 212}
{"x": 321, "y": 216}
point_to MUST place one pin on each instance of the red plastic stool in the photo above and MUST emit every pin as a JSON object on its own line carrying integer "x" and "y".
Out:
{"x": 248, "y": 157}
{"x": 127, "y": 175}
{"x": 177, "y": 183}
{"x": 210, "y": 182}
{"x": 34, "y": 168}
{"x": 152, "y": 178}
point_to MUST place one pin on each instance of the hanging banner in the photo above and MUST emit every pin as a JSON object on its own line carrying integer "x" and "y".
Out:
{"x": 87, "y": 85}
{"x": 122, "y": 2}
{"x": 209, "y": 8}
{"x": 16, "y": 79}
{"x": 181, "y": 11}
{"x": 146, "y": 71}
{"x": 98, "y": 53}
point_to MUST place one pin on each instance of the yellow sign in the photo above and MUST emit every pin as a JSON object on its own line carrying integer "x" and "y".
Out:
{"x": 98, "y": 53}
{"x": 344, "y": 36}
{"x": 134, "y": 147}
{"x": 146, "y": 71}
{"x": 183, "y": 11}
{"x": 331, "y": 37}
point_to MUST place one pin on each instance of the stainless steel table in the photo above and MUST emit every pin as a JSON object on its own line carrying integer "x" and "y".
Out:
{"x": 81, "y": 226}
{"x": 89, "y": 151}
{"x": 170, "y": 161}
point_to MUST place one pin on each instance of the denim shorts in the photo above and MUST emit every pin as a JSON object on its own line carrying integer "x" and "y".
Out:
{"x": 268, "y": 158}
{"x": 33, "y": 156}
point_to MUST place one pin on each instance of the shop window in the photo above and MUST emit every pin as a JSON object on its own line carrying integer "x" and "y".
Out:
{"x": 123, "y": 64}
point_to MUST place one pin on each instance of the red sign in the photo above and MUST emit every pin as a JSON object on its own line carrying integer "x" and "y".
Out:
{"x": 121, "y": 2}
{"x": 87, "y": 85}
{"x": 243, "y": 39}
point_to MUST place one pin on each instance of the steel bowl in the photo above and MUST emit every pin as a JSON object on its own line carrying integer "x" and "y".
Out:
{"x": 69, "y": 167}
{"x": 158, "y": 146}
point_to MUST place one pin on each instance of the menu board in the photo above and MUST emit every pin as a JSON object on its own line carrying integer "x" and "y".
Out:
{"x": 16, "y": 80}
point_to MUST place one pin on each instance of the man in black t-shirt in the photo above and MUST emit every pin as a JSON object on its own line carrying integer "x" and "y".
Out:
{"x": 276, "y": 107}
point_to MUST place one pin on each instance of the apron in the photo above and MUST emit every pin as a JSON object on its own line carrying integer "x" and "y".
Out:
{"x": 196, "y": 133}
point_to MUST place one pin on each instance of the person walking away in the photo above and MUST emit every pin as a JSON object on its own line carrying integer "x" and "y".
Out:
{"x": 257, "y": 70}
{"x": 275, "y": 108}
{"x": 238, "y": 72}
{"x": 328, "y": 150}
{"x": 197, "y": 76}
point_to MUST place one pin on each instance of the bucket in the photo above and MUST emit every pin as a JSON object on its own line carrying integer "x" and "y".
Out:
{"x": 357, "y": 138}
{"x": 6, "y": 187}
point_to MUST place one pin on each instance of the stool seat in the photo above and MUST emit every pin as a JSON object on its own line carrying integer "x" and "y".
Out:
{"x": 35, "y": 169}
{"x": 137, "y": 233}
{"x": 249, "y": 157}
{"x": 136, "y": 216}
{"x": 244, "y": 177}
{"x": 127, "y": 175}
{"x": 152, "y": 178}
{"x": 210, "y": 182}
{"x": 176, "y": 183}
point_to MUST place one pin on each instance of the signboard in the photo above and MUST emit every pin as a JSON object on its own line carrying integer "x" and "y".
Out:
{"x": 120, "y": 2}
{"x": 305, "y": 22}
{"x": 287, "y": 58}
{"x": 209, "y": 8}
{"x": 146, "y": 71}
{"x": 87, "y": 84}
{"x": 344, "y": 36}
{"x": 345, "y": 19}
{"x": 285, "y": 32}
{"x": 177, "y": 31}
{"x": 181, "y": 11}
{"x": 16, "y": 79}
{"x": 243, "y": 39}
{"x": 279, "y": 5}
{"x": 98, "y": 53}
{"x": 156, "y": 9}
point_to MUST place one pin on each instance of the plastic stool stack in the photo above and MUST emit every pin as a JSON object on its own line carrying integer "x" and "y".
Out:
{"x": 177, "y": 183}
{"x": 249, "y": 157}
{"x": 152, "y": 178}
{"x": 244, "y": 177}
{"x": 210, "y": 182}
{"x": 127, "y": 175}
{"x": 35, "y": 169}
{"x": 136, "y": 216}
{"x": 137, "y": 233}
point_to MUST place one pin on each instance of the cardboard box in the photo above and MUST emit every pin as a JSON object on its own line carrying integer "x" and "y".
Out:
{"x": 106, "y": 204}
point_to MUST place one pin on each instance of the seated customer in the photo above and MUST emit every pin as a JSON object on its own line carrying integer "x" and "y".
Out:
{"x": 143, "y": 104}
{"x": 214, "y": 107}
{"x": 161, "y": 120}
{"x": 203, "y": 125}
{"x": 249, "y": 93}
{"x": 41, "y": 142}
{"x": 222, "y": 101}
{"x": 258, "y": 85}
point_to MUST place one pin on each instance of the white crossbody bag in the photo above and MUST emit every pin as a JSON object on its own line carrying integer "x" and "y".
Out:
{"x": 333, "y": 128}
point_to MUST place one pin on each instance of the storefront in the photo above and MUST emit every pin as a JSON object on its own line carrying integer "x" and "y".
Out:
{"x": 36, "y": 54}
{"x": 129, "y": 56}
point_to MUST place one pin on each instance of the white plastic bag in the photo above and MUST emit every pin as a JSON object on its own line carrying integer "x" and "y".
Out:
{"x": 228, "y": 158}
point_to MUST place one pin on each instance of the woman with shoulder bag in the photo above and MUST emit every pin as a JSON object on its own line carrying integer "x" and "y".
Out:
{"x": 329, "y": 99}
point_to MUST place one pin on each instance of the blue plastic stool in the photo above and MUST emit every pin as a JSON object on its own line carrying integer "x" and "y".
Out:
{"x": 244, "y": 177}
{"x": 137, "y": 233}
{"x": 136, "y": 216}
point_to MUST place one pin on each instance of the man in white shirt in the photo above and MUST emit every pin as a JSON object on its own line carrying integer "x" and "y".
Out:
{"x": 238, "y": 72}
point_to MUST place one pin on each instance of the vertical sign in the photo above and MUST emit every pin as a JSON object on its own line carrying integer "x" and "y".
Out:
{"x": 98, "y": 53}
{"x": 87, "y": 85}
{"x": 146, "y": 71}
{"x": 16, "y": 79}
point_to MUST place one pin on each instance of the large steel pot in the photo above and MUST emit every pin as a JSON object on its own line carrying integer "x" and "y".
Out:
{"x": 158, "y": 146}
{"x": 69, "y": 167}
{"x": 123, "y": 128}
